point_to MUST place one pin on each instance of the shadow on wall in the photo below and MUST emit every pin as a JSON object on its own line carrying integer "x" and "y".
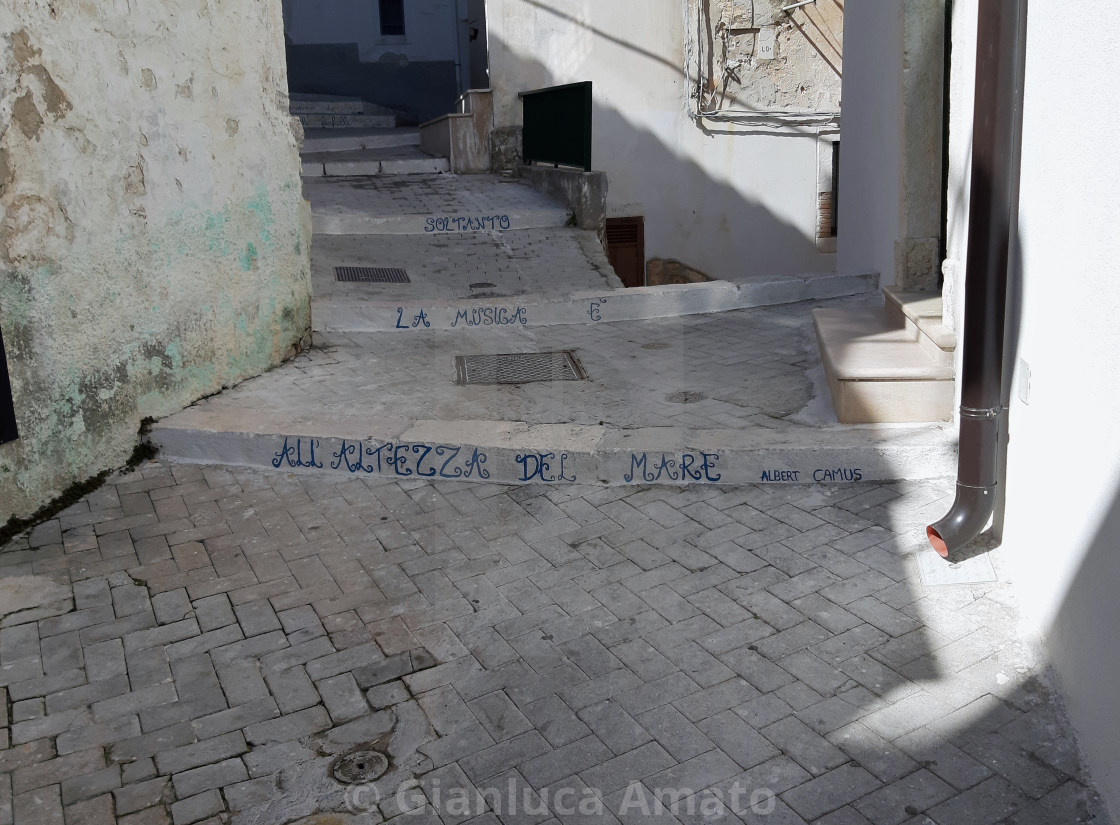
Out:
{"x": 1082, "y": 645}
{"x": 690, "y": 215}
{"x": 423, "y": 89}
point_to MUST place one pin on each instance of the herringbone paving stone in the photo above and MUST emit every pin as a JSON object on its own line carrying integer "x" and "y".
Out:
{"x": 520, "y": 655}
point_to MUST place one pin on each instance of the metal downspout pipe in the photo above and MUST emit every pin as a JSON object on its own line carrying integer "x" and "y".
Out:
{"x": 993, "y": 209}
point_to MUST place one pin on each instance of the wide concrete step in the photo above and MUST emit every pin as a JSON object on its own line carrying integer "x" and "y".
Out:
{"x": 347, "y": 121}
{"x": 920, "y": 314}
{"x": 350, "y": 140}
{"x": 380, "y": 311}
{"x": 392, "y": 160}
{"x": 512, "y": 452}
{"x": 310, "y": 104}
{"x": 437, "y": 205}
{"x": 877, "y": 372}
{"x": 723, "y": 398}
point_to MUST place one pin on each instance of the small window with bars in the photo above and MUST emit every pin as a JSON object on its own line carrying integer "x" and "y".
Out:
{"x": 391, "y": 14}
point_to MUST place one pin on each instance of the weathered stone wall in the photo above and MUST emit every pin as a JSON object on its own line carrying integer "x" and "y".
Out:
{"x": 154, "y": 239}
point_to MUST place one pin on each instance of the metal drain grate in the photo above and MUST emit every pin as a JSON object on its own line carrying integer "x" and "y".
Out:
{"x": 518, "y": 368}
{"x": 371, "y": 274}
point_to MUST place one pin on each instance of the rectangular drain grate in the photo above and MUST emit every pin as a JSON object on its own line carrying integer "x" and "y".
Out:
{"x": 371, "y": 274}
{"x": 518, "y": 368}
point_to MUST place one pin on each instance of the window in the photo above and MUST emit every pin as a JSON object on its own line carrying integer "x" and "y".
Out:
{"x": 7, "y": 409}
{"x": 828, "y": 191}
{"x": 392, "y": 17}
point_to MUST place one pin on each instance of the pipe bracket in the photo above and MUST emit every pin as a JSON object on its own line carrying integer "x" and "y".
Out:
{"x": 982, "y": 413}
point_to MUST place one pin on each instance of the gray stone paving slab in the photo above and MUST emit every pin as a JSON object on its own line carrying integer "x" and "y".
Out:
{"x": 569, "y": 668}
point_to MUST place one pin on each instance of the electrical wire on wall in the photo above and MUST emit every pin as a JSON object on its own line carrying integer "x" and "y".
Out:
{"x": 727, "y": 71}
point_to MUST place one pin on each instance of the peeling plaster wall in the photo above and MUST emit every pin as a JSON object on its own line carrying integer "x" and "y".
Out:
{"x": 755, "y": 57}
{"x": 728, "y": 198}
{"x": 154, "y": 240}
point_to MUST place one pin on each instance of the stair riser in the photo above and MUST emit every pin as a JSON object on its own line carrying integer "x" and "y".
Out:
{"x": 348, "y": 121}
{"x": 884, "y": 402}
{"x": 350, "y": 143}
{"x": 365, "y": 168}
{"x": 942, "y": 357}
{"x": 544, "y": 463}
{"x": 641, "y": 303}
{"x": 917, "y": 332}
{"x": 348, "y": 107}
{"x": 421, "y": 224}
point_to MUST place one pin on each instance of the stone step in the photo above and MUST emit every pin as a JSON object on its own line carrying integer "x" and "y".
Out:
{"x": 341, "y": 222}
{"x": 347, "y": 121}
{"x": 393, "y": 160}
{"x": 520, "y": 453}
{"x": 877, "y": 372}
{"x": 347, "y": 314}
{"x": 350, "y": 140}
{"x": 919, "y": 313}
{"x": 307, "y": 104}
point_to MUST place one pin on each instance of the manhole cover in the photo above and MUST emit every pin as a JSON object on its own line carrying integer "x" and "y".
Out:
{"x": 685, "y": 397}
{"x": 359, "y": 767}
{"x": 371, "y": 274}
{"x": 518, "y": 368}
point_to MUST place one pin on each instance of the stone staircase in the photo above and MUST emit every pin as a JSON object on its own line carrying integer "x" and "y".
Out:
{"x": 888, "y": 364}
{"x": 334, "y": 112}
{"x": 344, "y": 137}
{"x": 463, "y": 136}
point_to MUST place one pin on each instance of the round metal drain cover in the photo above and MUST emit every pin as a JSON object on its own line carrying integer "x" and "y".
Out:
{"x": 685, "y": 397}
{"x": 359, "y": 766}
{"x": 483, "y": 285}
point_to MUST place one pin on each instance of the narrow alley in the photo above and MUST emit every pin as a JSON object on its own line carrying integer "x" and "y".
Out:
{"x": 334, "y": 598}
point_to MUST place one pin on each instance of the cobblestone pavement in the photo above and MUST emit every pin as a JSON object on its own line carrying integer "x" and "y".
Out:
{"x": 757, "y": 654}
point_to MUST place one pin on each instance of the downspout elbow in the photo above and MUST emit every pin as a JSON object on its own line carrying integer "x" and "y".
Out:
{"x": 972, "y": 508}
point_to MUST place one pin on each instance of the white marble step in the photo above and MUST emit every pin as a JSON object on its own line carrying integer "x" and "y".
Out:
{"x": 920, "y": 314}
{"x": 877, "y": 372}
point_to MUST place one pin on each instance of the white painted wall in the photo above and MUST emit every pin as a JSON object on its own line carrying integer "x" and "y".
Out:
{"x": 871, "y": 139}
{"x": 728, "y": 204}
{"x": 432, "y": 28}
{"x": 1063, "y": 491}
{"x": 1061, "y": 526}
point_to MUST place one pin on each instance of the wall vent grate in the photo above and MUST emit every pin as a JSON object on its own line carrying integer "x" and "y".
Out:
{"x": 518, "y": 368}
